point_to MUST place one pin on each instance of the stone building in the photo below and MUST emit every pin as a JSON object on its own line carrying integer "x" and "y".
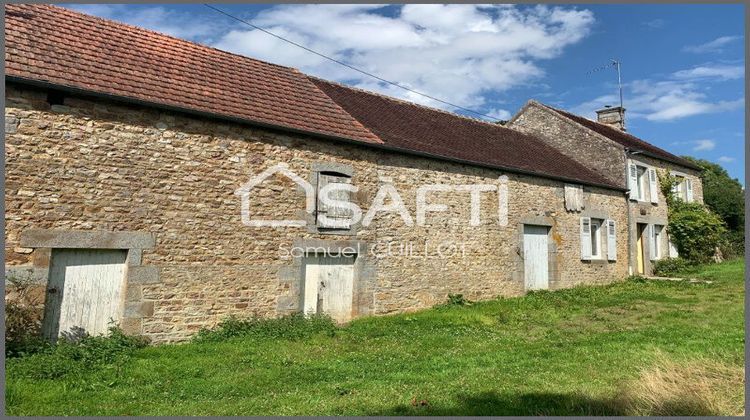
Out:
{"x": 606, "y": 148}
{"x": 165, "y": 185}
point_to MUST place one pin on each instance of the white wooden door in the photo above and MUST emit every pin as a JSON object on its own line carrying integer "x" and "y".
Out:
{"x": 84, "y": 292}
{"x": 536, "y": 264}
{"x": 329, "y": 286}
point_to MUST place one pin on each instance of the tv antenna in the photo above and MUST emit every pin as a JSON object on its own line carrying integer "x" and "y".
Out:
{"x": 616, "y": 64}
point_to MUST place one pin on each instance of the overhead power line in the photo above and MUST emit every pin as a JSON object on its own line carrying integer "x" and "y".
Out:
{"x": 366, "y": 73}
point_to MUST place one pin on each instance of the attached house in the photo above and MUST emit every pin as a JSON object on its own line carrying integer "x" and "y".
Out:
{"x": 605, "y": 147}
{"x": 165, "y": 185}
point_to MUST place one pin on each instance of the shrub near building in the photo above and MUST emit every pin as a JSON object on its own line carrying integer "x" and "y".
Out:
{"x": 695, "y": 230}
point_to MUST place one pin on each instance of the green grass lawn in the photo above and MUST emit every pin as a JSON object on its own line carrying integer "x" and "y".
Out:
{"x": 562, "y": 352}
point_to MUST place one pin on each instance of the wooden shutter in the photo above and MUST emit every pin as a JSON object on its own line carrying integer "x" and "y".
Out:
{"x": 688, "y": 190}
{"x": 651, "y": 231}
{"x": 573, "y": 197}
{"x": 611, "y": 240}
{"x": 585, "y": 238}
{"x": 633, "y": 181}
{"x": 653, "y": 185}
{"x": 332, "y": 213}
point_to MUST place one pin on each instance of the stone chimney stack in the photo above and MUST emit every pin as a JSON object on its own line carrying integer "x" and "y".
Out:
{"x": 613, "y": 116}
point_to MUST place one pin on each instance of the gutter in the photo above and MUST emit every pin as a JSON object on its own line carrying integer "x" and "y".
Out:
{"x": 347, "y": 140}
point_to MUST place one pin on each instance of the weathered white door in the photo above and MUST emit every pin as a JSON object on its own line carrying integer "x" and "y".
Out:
{"x": 329, "y": 286}
{"x": 84, "y": 292}
{"x": 536, "y": 266}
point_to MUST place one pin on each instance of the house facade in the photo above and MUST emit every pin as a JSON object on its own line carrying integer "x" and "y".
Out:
{"x": 164, "y": 186}
{"x": 605, "y": 147}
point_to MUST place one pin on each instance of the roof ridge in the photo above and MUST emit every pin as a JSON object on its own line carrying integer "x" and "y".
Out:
{"x": 143, "y": 29}
{"x": 404, "y": 101}
{"x": 562, "y": 111}
{"x": 669, "y": 155}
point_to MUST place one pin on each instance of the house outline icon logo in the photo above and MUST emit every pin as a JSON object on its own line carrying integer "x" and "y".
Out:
{"x": 244, "y": 192}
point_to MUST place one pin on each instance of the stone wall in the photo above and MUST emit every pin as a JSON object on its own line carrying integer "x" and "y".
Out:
{"x": 645, "y": 212}
{"x": 584, "y": 146}
{"x": 609, "y": 159}
{"x": 93, "y": 165}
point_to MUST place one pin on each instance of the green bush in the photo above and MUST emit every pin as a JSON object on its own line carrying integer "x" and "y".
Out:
{"x": 295, "y": 326}
{"x": 457, "y": 300}
{"x": 23, "y": 317}
{"x": 76, "y": 357}
{"x": 695, "y": 231}
{"x": 671, "y": 266}
{"x": 732, "y": 245}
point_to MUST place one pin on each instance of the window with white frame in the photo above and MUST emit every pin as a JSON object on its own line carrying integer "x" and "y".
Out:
{"x": 643, "y": 183}
{"x": 683, "y": 188}
{"x": 596, "y": 239}
{"x": 593, "y": 232}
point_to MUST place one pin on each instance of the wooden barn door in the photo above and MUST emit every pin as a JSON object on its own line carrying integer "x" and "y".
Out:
{"x": 536, "y": 257}
{"x": 329, "y": 286}
{"x": 84, "y": 292}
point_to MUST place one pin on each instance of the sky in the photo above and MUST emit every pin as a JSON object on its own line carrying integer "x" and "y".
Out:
{"x": 683, "y": 66}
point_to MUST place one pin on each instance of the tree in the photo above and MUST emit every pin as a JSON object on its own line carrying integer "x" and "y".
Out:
{"x": 722, "y": 194}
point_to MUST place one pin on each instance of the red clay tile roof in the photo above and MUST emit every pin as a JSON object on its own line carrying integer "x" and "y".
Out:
{"x": 60, "y": 47}
{"x": 628, "y": 140}
{"x": 413, "y": 127}
{"x": 55, "y": 45}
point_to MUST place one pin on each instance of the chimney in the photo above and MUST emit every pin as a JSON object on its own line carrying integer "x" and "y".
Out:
{"x": 613, "y": 116}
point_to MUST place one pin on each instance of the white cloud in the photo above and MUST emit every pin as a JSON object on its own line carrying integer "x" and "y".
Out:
{"x": 726, "y": 159}
{"x": 681, "y": 94}
{"x": 654, "y": 24}
{"x": 711, "y": 71}
{"x": 458, "y": 53}
{"x": 704, "y": 145}
{"x": 499, "y": 114}
{"x": 157, "y": 18}
{"x": 714, "y": 46}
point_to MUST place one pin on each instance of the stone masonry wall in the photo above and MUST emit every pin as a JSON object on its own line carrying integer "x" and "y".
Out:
{"x": 646, "y": 212}
{"x": 584, "y": 146}
{"x": 92, "y": 165}
{"x": 608, "y": 158}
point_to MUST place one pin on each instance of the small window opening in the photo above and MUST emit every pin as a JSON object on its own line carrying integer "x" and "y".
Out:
{"x": 55, "y": 97}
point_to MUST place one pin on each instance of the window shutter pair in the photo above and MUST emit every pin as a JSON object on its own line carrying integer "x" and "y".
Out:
{"x": 653, "y": 185}
{"x": 633, "y": 180}
{"x": 688, "y": 190}
{"x": 336, "y": 216}
{"x": 611, "y": 229}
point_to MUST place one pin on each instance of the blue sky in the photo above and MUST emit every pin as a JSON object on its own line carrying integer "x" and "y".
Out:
{"x": 682, "y": 66}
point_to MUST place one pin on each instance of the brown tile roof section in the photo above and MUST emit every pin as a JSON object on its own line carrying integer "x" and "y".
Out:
{"x": 628, "y": 140}
{"x": 413, "y": 127}
{"x": 62, "y": 47}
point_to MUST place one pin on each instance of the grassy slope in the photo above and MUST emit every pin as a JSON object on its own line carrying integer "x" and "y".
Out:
{"x": 563, "y": 352}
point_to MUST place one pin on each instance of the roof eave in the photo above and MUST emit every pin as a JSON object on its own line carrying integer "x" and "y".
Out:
{"x": 223, "y": 117}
